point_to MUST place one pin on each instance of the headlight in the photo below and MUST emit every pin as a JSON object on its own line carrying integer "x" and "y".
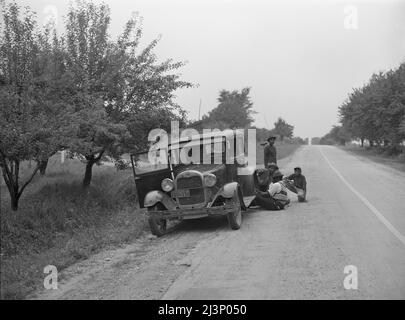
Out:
{"x": 210, "y": 180}
{"x": 167, "y": 185}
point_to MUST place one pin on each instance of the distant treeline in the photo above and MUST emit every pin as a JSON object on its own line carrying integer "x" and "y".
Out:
{"x": 373, "y": 114}
{"x": 235, "y": 111}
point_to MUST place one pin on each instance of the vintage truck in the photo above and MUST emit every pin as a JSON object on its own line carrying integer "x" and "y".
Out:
{"x": 177, "y": 190}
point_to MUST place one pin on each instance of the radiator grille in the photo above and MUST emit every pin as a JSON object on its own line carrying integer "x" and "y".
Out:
{"x": 195, "y": 185}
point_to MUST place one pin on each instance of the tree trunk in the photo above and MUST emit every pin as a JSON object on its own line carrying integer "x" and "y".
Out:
{"x": 14, "y": 194}
{"x": 91, "y": 160}
{"x": 42, "y": 167}
{"x": 14, "y": 201}
{"x": 88, "y": 173}
{"x": 362, "y": 142}
{"x": 10, "y": 170}
{"x": 10, "y": 175}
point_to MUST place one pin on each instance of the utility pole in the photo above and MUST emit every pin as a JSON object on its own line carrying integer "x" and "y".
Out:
{"x": 199, "y": 111}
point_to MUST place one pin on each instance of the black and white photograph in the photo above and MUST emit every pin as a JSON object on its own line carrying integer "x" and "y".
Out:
{"x": 202, "y": 154}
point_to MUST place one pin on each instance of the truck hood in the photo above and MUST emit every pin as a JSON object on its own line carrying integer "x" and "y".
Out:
{"x": 203, "y": 168}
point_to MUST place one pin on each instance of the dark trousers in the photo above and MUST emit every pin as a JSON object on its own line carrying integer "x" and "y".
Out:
{"x": 266, "y": 202}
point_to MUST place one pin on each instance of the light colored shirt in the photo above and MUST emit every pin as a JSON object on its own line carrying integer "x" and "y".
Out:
{"x": 278, "y": 191}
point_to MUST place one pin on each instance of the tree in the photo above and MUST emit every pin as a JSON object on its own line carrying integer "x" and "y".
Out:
{"x": 235, "y": 109}
{"x": 299, "y": 140}
{"x": 120, "y": 91}
{"x": 88, "y": 62}
{"x": 54, "y": 86}
{"x": 283, "y": 129}
{"x": 144, "y": 98}
{"x": 402, "y": 128}
{"x": 375, "y": 111}
{"x": 31, "y": 120}
{"x": 315, "y": 140}
{"x": 336, "y": 135}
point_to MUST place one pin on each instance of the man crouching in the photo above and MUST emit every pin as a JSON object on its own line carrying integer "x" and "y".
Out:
{"x": 275, "y": 195}
{"x": 278, "y": 189}
{"x": 300, "y": 184}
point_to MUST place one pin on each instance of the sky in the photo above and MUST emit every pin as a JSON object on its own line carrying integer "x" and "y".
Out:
{"x": 300, "y": 58}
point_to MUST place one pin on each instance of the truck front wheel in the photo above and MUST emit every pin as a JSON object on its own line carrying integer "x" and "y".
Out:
{"x": 235, "y": 217}
{"x": 157, "y": 226}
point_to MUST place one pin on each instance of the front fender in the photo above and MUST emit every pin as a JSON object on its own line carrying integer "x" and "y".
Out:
{"x": 229, "y": 189}
{"x": 153, "y": 197}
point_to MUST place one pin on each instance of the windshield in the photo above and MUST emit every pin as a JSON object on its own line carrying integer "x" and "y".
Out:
{"x": 186, "y": 154}
{"x": 150, "y": 161}
{"x": 198, "y": 153}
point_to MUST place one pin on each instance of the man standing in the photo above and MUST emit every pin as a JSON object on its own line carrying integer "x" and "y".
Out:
{"x": 270, "y": 152}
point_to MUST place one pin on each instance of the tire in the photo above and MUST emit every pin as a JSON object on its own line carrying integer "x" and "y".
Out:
{"x": 158, "y": 227}
{"x": 235, "y": 217}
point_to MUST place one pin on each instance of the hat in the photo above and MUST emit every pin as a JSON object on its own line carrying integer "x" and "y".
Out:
{"x": 273, "y": 166}
{"x": 297, "y": 168}
{"x": 271, "y": 137}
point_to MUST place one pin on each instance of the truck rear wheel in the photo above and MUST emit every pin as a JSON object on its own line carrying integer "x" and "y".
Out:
{"x": 157, "y": 226}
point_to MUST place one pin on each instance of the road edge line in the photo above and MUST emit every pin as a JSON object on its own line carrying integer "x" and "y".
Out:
{"x": 373, "y": 209}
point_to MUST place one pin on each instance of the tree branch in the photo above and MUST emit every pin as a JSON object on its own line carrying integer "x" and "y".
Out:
{"x": 16, "y": 174}
{"x": 5, "y": 168}
{"x": 28, "y": 181}
{"x": 7, "y": 181}
{"x": 99, "y": 156}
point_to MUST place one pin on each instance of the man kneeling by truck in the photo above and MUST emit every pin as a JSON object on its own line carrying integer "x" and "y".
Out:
{"x": 274, "y": 196}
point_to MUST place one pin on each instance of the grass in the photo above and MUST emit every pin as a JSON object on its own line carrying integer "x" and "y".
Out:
{"x": 379, "y": 155}
{"x": 58, "y": 223}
